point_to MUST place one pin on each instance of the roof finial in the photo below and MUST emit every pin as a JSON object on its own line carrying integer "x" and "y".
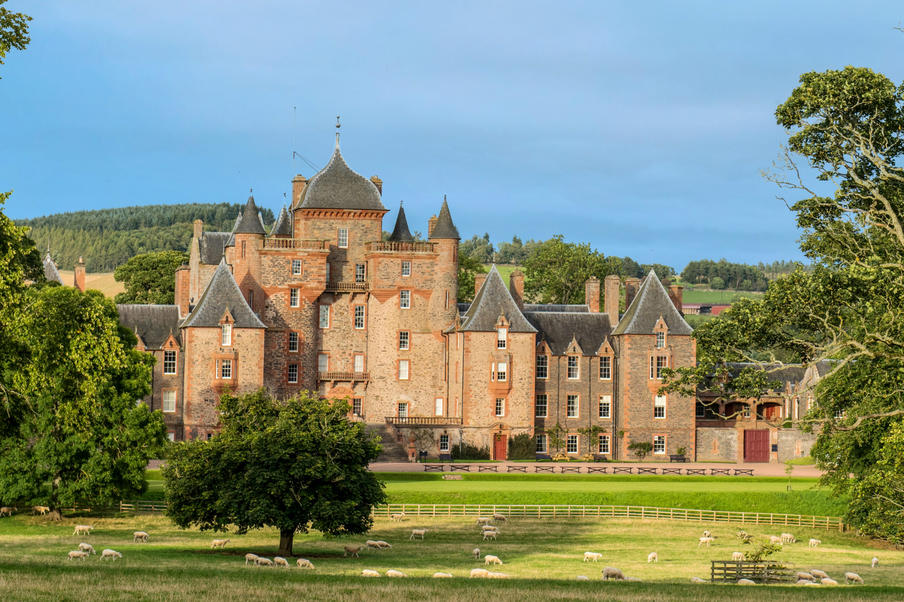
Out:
{"x": 338, "y": 126}
{"x": 250, "y": 190}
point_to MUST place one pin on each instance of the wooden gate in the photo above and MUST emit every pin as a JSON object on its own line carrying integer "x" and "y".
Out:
{"x": 756, "y": 445}
{"x": 499, "y": 446}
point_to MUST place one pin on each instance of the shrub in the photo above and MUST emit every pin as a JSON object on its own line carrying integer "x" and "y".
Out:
{"x": 470, "y": 452}
{"x": 640, "y": 448}
{"x": 522, "y": 447}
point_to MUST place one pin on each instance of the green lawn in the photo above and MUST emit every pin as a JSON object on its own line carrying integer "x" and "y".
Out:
{"x": 703, "y": 295}
{"x": 542, "y": 559}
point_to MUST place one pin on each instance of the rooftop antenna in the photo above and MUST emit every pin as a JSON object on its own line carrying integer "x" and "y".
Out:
{"x": 338, "y": 126}
{"x": 294, "y": 126}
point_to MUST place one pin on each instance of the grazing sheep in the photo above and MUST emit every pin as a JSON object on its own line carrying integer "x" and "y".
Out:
{"x": 54, "y": 515}
{"x": 218, "y": 543}
{"x": 804, "y": 575}
{"x": 280, "y": 561}
{"x": 261, "y": 561}
{"x": 351, "y": 551}
{"x": 395, "y": 573}
{"x": 82, "y": 530}
{"x": 440, "y": 575}
{"x": 490, "y": 559}
{"x": 303, "y": 563}
{"x": 483, "y": 520}
{"x": 707, "y": 533}
{"x": 369, "y": 573}
{"x": 652, "y": 557}
{"x": 818, "y": 574}
{"x": 804, "y": 582}
{"x": 706, "y": 541}
{"x": 875, "y": 562}
{"x": 415, "y": 533}
{"x": 397, "y": 517}
{"x": 479, "y": 573}
{"x": 737, "y": 555}
{"x": 372, "y": 544}
{"x": 108, "y": 553}
{"x": 86, "y": 547}
{"x": 788, "y": 538}
{"x": 610, "y": 572}
{"x": 476, "y": 552}
{"x": 500, "y": 517}
{"x": 42, "y": 510}
{"x": 489, "y": 528}
{"x": 828, "y": 581}
{"x": 140, "y": 536}
{"x": 252, "y": 558}
{"x": 78, "y": 554}
{"x": 492, "y": 575}
{"x": 8, "y": 510}
{"x": 490, "y": 535}
{"x": 582, "y": 578}
{"x": 746, "y": 582}
{"x": 775, "y": 540}
{"x": 383, "y": 545}
{"x": 698, "y": 580}
{"x": 853, "y": 578}
{"x": 592, "y": 556}
{"x": 814, "y": 542}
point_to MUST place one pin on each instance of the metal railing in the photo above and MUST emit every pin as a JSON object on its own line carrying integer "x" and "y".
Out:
{"x": 408, "y": 247}
{"x": 346, "y": 287}
{"x": 423, "y": 420}
{"x": 352, "y": 376}
{"x": 293, "y": 243}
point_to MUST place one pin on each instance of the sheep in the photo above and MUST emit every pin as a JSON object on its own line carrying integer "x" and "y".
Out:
{"x": 814, "y": 543}
{"x": 397, "y": 517}
{"x": 261, "y": 561}
{"x": 395, "y": 573}
{"x": 698, "y": 580}
{"x": 804, "y": 575}
{"x": 828, "y": 581}
{"x": 489, "y": 528}
{"x": 54, "y": 515}
{"x": 707, "y": 533}
{"x": 140, "y": 536}
{"x": 610, "y": 572}
{"x": 351, "y": 551}
{"x": 500, "y": 517}
{"x": 78, "y": 554}
{"x": 492, "y": 575}
{"x": 875, "y": 562}
{"x": 383, "y": 545}
{"x": 82, "y": 530}
{"x": 369, "y": 573}
{"x": 86, "y": 547}
{"x": 788, "y": 538}
{"x": 372, "y": 544}
{"x": 483, "y": 520}
{"x": 280, "y": 561}
{"x": 490, "y": 559}
{"x": 775, "y": 540}
{"x": 108, "y": 553}
{"x": 8, "y": 510}
{"x": 582, "y": 578}
{"x": 737, "y": 555}
{"x": 303, "y": 563}
{"x": 652, "y": 557}
{"x": 42, "y": 510}
{"x": 853, "y": 577}
{"x": 746, "y": 582}
{"x": 415, "y": 533}
{"x": 218, "y": 543}
{"x": 705, "y": 541}
{"x": 818, "y": 574}
{"x": 490, "y": 535}
{"x": 476, "y": 553}
{"x": 479, "y": 573}
{"x": 804, "y": 582}
{"x": 252, "y": 558}
{"x": 592, "y": 556}
{"x": 440, "y": 575}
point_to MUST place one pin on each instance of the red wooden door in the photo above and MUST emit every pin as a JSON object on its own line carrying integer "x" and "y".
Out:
{"x": 499, "y": 446}
{"x": 756, "y": 445}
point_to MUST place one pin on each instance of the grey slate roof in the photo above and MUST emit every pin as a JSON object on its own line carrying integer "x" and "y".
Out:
{"x": 221, "y": 294}
{"x": 212, "y": 245}
{"x": 491, "y": 300}
{"x": 250, "y": 222}
{"x": 581, "y": 308}
{"x": 651, "y": 302}
{"x": 51, "y": 274}
{"x": 283, "y": 224}
{"x": 230, "y": 242}
{"x": 337, "y": 186}
{"x": 401, "y": 233}
{"x": 153, "y": 323}
{"x": 444, "y": 227}
{"x": 786, "y": 373}
{"x": 559, "y": 328}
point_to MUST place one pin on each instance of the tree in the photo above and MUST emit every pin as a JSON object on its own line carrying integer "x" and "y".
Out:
{"x": 296, "y": 465}
{"x": 150, "y": 278}
{"x": 480, "y": 248}
{"x": 640, "y": 448}
{"x": 13, "y": 31}
{"x": 555, "y": 271}
{"x": 468, "y": 268}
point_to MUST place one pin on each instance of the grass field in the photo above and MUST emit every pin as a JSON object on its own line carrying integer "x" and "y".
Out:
{"x": 704, "y": 295}
{"x": 542, "y": 559}
{"x": 101, "y": 281}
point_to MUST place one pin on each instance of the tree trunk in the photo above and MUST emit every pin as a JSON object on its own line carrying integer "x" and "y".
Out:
{"x": 285, "y": 541}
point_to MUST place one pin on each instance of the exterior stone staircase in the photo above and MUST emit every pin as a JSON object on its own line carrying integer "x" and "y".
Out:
{"x": 393, "y": 449}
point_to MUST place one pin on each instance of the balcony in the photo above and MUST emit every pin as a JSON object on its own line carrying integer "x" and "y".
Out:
{"x": 289, "y": 244}
{"x": 346, "y": 376}
{"x": 346, "y": 287}
{"x": 401, "y": 247}
{"x": 423, "y": 420}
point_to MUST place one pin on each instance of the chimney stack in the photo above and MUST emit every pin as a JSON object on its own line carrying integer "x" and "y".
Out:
{"x": 80, "y": 274}
{"x": 479, "y": 279}
{"x": 592, "y": 294}
{"x": 516, "y": 287}
{"x": 378, "y": 183}
{"x": 431, "y": 224}
{"x": 182, "y": 281}
{"x": 298, "y": 184}
{"x": 197, "y": 228}
{"x": 612, "y": 284}
{"x": 631, "y": 286}
{"x": 676, "y": 294}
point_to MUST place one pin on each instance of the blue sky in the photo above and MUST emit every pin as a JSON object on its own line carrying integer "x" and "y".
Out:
{"x": 641, "y": 128}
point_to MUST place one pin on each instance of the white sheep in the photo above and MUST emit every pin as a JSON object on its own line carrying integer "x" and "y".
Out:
{"x": 441, "y": 575}
{"x": 383, "y": 545}
{"x": 479, "y": 573}
{"x": 818, "y": 574}
{"x": 108, "y": 553}
{"x": 698, "y": 580}
{"x": 304, "y": 563}
{"x": 804, "y": 575}
{"x": 850, "y": 577}
{"x": 489, "y": 528}
{"x": 78, "y": 554}
{"x": 490, "y": 559}
{"x": 490, "y": 535}
{"x": 252, "y": 558}
{"x": 875, "y": 562}
{"x": 397, "y": 517}
{"x": 86, "y": 547}
{"x": 280, "y": 561}
{"x": 652, "y": 557}
{"x": 82, "y": 530}
{"x": 706, "y": 541}
{"x": 707, "y": 533}
{"x": 476, "y": 553}
{"x": 418, "y": 533}
{"x": 218, "y": 543}
{"x": 592, "y": 556}
{"x": 828, "y": 581}
{"x": 8, "y": 510}
{"x": 395, "y": 573}
{"x": 804, "y": 582}
{"x": 351, "y": 551}
{"x": 372, "y": 544}
{"x": 788, "y": 538}
{"x": 261, "y": 561}
{"x": 610, "y": 572}
{"x": 369, "y": 573}
{"x": 737, "y": 555}
{"x": 582, "y": 578}
{"x": 500, "y": 517}
{"x": 775, "y": 540}
{"x": 492, "y": 575}
{"x": 814, "y": 542}
{"x": 140, "y": 536}
{"x": 483, "y": 520}
{"x": 42, "y": 510}
{"x": 746, "y": 582}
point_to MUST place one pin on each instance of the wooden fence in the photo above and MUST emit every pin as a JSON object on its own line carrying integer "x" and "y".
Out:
{"x": 761, "y": 572}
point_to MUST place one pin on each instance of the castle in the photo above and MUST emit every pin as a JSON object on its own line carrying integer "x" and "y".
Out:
{"x": 320, "y": 302}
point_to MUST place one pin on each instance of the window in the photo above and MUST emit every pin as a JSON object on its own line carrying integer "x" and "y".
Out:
{"x": 839, "y": 414}
{"x": 572, "y": 406}
{"x": 403, "y": 340}
{"x": 657, "y": 364}
{"x": 169, "y": 362}
{"x": 444, "y": 443}
{"x": 541, "y": 444}
{"x": 226, "y": 335}
{"x": 324, "y": 316}
{"x": 573, "y": 371}
{"x": 251, "y": 299}
{"x": 701, "y": 410}
{"x": 343, "y": 238}
{"x": 296, "y": 267}
{"x": 406, "y": 268}
{"x": 293, "y": 342}
{"x": 403, "y": 369}
{"x": 405, "y": 299}
{"x": 293, "y": 297}
{"x": 293, "y": 373}
{"x": 500, "y": 406}
{"x": 169, "y": 401}
{"x": 359, "y": 317}
{"x": 323, "y": 362}
{"x": 171, "y": 435}
{"x": 660, "y": 340}
{"x": 438, "y": 406}
{"x": 501, "y": 335}
{"x": 501, "y": 371}
{"x": 659, "y": 406}
{"x": 226, "y": 369}
{"x": 604, "y": 444}
{"x": 745, "y": 411}
{"x": 658, "y": 444}
{"x": 605, "y": 406}
{"x": 359, "y": 362}
{"x": 243, "y": 248}
{"x": 605, "y": 368}
{"x": 541, "y": 406}
{"x": 360, "y": 272}
{"x": 542, "y": 366}
{"x": 571, "y": 446}
{"x": 403, "y": 410}
{"x": 358, "y": 406}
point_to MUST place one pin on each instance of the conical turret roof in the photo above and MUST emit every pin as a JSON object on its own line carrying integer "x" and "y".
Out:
{"x": 283, "y": 224}
{"x": 444, "y": 227}
{"x": 51, "y": 274}
{"x": 401, "y": 233}
{"x": 250, "y": 222}
{"x": 337, "y": 186}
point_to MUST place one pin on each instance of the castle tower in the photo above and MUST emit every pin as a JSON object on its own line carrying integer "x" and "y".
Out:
{"x": 247, "y": 243}
{"x": 445, "y": 235}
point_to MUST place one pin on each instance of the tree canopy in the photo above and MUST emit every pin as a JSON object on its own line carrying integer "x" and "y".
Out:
{"x": 150, "y": 277}
{"x": 13, "y": 31}
{"x": 296, "y": 465}
{"x": 468, "y": 268}
{"x": 556, "y": 270}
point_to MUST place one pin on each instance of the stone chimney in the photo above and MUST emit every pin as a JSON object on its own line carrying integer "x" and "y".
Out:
{"x": 80, "y": 274}
{"x": 197, "y": 228}
{"x": 631, "y": 286}
{"x": 378, "y": 183}
{"x": 612, "y": 285}
{"x": 182, "y": 283}
{"x": 479, "y": 279}
{"x": 298, "y": 184}
{"x": 516, "y": 287}
{"x": 676, "y": 294}
{"x": 592, "y": 294}
{"x": 431, "y": 224}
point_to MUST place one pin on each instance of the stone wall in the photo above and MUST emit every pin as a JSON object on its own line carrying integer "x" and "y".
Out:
{"x": 717, "y": 445}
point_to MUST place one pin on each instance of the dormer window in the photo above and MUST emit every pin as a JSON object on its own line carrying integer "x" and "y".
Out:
{"x": 660, "y": 340}
{"x": 573, "y": 370}
{"x": 501, "y": 336}
{"x": 226, "y": 335}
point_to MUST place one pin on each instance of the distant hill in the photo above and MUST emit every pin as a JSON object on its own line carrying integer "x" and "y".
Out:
{"x": 107, "y": 238}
